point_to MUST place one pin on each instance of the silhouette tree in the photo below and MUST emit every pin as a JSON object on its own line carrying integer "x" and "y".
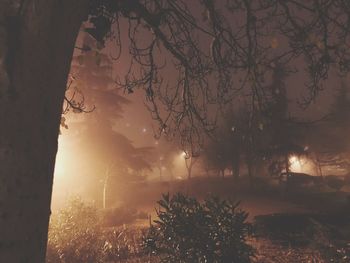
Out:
{"x": 215, "y": 158}
{"x": 328, "y": 150}
{"x": 190, "y": 162}
{"x": 228, "y": 150}
{"x": 242, "y": 139}
{"x": 285, "y": 136}
{"x": 98, "y": 147}
{"x": 164, "y": 156}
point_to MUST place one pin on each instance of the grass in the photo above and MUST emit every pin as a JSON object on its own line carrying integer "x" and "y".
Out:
{"x": 126, "y": 247}
{"x": 80, "y": 233}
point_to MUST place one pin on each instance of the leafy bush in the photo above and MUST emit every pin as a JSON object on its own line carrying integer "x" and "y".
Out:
{"x": 190, "y": 231}
{"x": 339, "y": 253}
{"x": 76, "y": 235}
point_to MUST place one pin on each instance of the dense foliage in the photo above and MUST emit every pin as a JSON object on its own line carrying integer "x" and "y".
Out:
{"x": 190, "y": 231}
{"x": 76, "y": 235}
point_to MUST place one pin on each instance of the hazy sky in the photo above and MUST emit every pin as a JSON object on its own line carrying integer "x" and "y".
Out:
{"x": 136, "y": 123}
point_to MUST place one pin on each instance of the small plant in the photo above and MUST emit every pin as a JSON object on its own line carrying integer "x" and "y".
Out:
{"x": 189, "y": 231}
{"x": 339, "y": 253}
{"x": 75, "y": 234}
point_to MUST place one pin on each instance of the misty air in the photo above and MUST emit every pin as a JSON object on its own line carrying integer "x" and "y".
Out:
{"x": 173, "y": 131}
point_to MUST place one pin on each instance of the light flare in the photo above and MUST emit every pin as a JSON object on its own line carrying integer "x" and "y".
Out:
{"x": 63, "y": 158}
{"x": 296, "y": 164}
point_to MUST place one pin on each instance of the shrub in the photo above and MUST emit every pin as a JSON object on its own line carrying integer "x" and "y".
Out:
{"x": 190, "y": 231}
{"x": 75, "y": 234}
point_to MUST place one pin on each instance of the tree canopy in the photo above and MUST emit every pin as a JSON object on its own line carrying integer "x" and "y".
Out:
{"x": 219, "y": 51}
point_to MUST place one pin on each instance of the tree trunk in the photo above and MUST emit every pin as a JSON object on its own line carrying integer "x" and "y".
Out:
{"x": 235, "y": 163}
{"x": 250, "y": 172}
{"x": 287, "y": 164}
{"x": 39, "y": 38}
{"x": 249, "y": 160}
{"x": 188, "y": 163}
{"x": 319, "y": 166}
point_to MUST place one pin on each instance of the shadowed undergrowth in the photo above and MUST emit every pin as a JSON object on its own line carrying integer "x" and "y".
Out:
{"x": 189, "y": 231}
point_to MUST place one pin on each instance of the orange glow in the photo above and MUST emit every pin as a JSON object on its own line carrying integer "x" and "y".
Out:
{"x": 63, "y": 159}
{"x": 296, "y": 163}
{"x": 302, "y": 165}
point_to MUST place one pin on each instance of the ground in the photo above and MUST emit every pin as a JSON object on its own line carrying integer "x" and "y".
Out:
{"x": 300, "y": 226}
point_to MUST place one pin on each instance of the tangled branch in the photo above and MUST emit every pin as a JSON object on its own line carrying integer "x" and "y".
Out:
{"x": 191, "y": 67}
{"x": 77, "y": 105}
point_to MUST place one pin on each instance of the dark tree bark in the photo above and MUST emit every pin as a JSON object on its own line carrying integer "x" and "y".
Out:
{"x": 39, "y": 38}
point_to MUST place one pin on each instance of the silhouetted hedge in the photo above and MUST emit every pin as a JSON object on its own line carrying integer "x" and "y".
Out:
{"x": 190, "y": 231}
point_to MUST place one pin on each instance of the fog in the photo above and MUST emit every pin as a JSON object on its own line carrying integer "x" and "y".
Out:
{"x": 277, "y": 154}
{"x": 108, "y": 139}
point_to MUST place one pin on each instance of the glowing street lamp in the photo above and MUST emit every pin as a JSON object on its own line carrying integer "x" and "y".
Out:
{"x": 295, "y": 163}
